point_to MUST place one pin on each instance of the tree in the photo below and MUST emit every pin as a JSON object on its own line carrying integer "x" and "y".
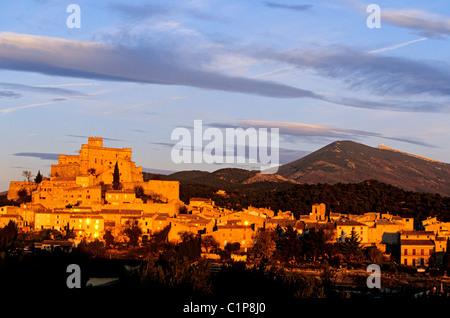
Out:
{"x": 133, "y": 232}
{"x": 352, "y": 246}
{"x": 69, "y": 233}
{"x": 8, "y": 236}
{"x": 139, "y": 191}
{"x": 23, "y": 195}
{"x": 27, "y": 175}
{"x": 374, "y": 255}
{"x": 92, "y": 249}
{"x": 186, "y": 236}
{"x": 116, "y": 178}
{"x": 264, "y": 244}
{"x": 232, "y": 247}
{"x": 314, "y": 243}
{"x": 289, "y": 245}
{"x": 39, "y": 177}
{"x": 209, "y": 243}
{"x": 109, "y": 238}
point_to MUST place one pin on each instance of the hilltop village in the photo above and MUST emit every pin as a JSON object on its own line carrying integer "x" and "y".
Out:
{"x": 101, "y": 191}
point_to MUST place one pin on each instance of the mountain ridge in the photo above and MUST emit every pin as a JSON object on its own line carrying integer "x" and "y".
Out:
{"x": 351, "y": 162}
{"x": 342, "y": 161}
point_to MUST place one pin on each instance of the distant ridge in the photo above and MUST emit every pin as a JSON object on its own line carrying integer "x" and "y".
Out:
{"x": 339, "y": 162}
{"x": 227, "y": 178}
{"x": 383, "y": 147}
{"x": 352, "y": 162}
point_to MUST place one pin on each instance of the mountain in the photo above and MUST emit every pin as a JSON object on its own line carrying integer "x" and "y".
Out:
{"x": 352, "y": 162}
{"x": 227, "y": 178}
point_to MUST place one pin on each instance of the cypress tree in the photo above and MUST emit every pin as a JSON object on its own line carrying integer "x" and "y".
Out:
{"x": 116, "y": 178}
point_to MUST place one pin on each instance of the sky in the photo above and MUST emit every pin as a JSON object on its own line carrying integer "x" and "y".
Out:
{"x": 134, "y": 71}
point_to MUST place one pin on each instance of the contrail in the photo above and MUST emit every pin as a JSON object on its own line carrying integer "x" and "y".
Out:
{"x": 12, "y": 109}
{"x": 394, "y": 47}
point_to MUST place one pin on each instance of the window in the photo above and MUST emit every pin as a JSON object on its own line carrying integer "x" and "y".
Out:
{"x": 422, "y": 252}
{"x": 405, "y": 252}
{"x": 414, "y": 251}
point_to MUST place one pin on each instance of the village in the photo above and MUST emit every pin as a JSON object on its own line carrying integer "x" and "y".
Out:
{"x": 101, "y": 191}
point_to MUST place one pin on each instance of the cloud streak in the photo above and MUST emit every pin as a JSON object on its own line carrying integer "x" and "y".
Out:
{"x": 382, "y": 75}
{"x": 294, "y": 7}
{"x": 55, "y": 56}
{"x": 389, "y": 76}
{"x": 39, "y": 155}
{"x": 397, "y": 46}
{"x": 313, "y": 131}
{"x": 13, "y": 109}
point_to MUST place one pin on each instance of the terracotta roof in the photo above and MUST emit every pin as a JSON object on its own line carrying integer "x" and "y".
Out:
{"x": 417, "y": 233}
{"x": 233, "y": 226}
{"x": 121, "y": 191}
{"x": 349, "y": 223}
{"x": 417, "y": 242}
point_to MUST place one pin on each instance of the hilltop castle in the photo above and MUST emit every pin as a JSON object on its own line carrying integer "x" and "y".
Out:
{"x": 80, "y": 179}
{"x": 95, "y": 160}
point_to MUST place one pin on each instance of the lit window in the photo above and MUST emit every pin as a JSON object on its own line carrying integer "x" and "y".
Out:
{"x": 87, "y": 221}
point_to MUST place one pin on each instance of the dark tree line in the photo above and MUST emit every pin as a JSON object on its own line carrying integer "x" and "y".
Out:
{"x": 353, "y": 198}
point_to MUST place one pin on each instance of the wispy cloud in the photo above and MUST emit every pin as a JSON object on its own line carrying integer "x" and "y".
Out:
{"x": 386, "y": 75}
{"x": 322, "y": 131}
{"x": 56, "y": 89}
{"x": 427, "y": 24}
{"x": 39, "y": 155}
{"x": 159, "y": 101}
{"x": 358, "y": 70}
{"x": 423, "y": 22}
{"x": 86, "y": 137}
{"x": 294, "y": 7}
{"x": 10, "y": 94}
{"x": 13, "y": 109}
{"x": 106, "y": 62}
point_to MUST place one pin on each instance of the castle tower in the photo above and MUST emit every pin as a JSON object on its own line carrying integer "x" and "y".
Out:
{"x": 95, "y": 141}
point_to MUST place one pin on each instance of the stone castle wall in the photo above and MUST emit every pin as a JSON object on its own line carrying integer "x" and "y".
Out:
{"x": 102, "y": 160}
{"x": 15, "y": 186}
{"x": 169, "y": 190}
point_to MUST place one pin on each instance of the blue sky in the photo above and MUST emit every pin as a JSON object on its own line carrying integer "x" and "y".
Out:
{"x": 136, "y": 70}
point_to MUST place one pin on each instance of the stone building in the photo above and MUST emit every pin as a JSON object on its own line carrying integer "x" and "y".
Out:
{"x": 96, "y": 160}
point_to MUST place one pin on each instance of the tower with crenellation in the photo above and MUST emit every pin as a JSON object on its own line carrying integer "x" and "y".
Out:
{"x": 98, "y": 161}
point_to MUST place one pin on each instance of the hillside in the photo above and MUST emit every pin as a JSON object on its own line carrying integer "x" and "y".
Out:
{"x": 228, "y": 178}
{"x": 351, "y": 162}
{"x": 354, "y": 198}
